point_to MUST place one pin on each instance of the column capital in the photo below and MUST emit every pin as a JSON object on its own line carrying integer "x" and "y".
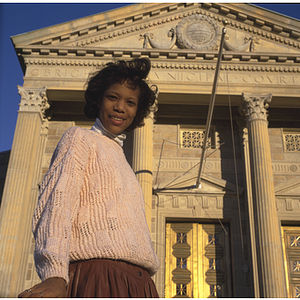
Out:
{"x": 254, "y": 106}
{"x": 34, "y": 100}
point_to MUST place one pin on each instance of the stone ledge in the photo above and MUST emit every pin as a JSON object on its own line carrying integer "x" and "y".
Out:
{"x": 46, "y": 53}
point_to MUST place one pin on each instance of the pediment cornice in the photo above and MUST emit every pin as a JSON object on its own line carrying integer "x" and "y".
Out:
{"x": 209, "y": 185}
{"x": 135, "y": 18}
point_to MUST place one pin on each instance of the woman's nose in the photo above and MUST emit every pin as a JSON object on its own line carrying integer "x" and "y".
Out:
{"x": 120, "y": 106}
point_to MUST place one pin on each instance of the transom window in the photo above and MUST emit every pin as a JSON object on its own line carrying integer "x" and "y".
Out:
{"x": 193, "y": 138}
{"x": 291, "y": 140}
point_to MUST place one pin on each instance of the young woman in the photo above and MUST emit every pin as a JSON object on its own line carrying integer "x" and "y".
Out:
{"x": 92, "y": 239}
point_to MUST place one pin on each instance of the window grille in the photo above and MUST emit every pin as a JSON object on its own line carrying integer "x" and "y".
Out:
{"x": 193, "y": 138}
{"x": 292, "y": 141}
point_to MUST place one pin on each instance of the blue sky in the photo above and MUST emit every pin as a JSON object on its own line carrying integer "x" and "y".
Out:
{"x": 17, "y": 18}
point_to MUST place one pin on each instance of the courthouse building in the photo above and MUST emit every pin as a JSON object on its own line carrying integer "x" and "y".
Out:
{"x": 238, "y": 233}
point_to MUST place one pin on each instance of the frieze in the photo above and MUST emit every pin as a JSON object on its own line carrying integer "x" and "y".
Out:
{"x": 202, "y": 206}
{"x": 286, "y": 168}
{"x": 80, "y": 73}
{"x": 216, "y": 166}
{"x": 184, "y": 165}
{"x": 236, "y": 77}
{"x": 287, "y": 205}
{"x": 182, "y": 73}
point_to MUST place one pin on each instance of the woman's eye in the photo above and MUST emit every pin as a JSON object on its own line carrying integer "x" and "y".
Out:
{"x": 131, "y": 103}
{"x": 111, "y": 97}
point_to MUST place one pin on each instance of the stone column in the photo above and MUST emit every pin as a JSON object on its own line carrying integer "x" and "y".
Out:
{"x": 270, "y": 263}
{"x": 21, "y": 190}
{"x": 142, "y": 161}
{"x": 248, "y": 189}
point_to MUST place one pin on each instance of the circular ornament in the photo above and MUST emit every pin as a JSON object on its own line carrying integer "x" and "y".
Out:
{"x": 198, "y": 32}
{"x": 293, "y": 168}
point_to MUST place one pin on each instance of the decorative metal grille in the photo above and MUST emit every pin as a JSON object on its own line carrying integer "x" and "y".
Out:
{"x": 215, "y": 291}
{"x": 292, "y": 142}
{"x": 291, "y": 249}
{"x": 181, "y": 290}
{"x": 295, "y": 241}
{"x": 193, "y": 139}
{"x": 297, "y": 291}
{"x": 214, "y": 264}
{"x": 181, "y": 237}
{"x": 296, "y": 266}
{"x": 213, "y": 239}
{"x": 197, "y": 260}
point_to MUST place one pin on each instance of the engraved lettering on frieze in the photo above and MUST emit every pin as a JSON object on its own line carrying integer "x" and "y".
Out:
{"x": 198, "y": 32}
{"x": 191, "y": 76}
{"x": 60, "y": 73}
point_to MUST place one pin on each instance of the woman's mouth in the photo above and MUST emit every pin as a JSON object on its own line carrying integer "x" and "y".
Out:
{"x": 116, "y": 120}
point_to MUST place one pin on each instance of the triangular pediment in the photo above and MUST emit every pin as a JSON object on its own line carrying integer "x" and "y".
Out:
{"x": 177, "y": 26}
{"x": 208, "y": 185}
{"x": 289, "y": 188}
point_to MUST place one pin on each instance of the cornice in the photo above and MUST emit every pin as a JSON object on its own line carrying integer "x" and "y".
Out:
{"x": 246, "y": 20}
{"x": 59, "y": 55}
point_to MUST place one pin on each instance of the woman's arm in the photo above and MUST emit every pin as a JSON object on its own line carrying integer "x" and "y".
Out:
{"x": 52, "y": 222}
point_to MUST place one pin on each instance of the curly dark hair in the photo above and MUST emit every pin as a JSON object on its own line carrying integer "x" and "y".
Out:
{"x": 135, "y": 71}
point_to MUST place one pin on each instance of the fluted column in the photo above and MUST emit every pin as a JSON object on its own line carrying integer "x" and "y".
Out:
{"x": 21, "y": 190}
{"x": 248, "y": 184}
{"x": 142, "y": 161}
{"x": 270, "y": 262}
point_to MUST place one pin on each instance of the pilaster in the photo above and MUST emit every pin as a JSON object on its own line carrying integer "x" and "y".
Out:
{"x": 21, "y": 189}
{"x": 142, "y": 161}
{"x": 270, "y": 264}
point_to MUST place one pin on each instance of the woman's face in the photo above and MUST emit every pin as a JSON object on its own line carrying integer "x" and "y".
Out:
{"x": 118, "y": 107}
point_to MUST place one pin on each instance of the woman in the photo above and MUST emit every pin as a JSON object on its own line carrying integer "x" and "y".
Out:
{"x": 91, "y": 234}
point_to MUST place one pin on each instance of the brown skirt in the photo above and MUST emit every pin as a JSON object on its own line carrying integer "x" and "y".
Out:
{"x": 104, "y": 278}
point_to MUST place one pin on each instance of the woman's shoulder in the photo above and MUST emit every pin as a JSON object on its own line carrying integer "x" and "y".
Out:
{"x": 76, "y": 134}
{"x": 74, "y": 140}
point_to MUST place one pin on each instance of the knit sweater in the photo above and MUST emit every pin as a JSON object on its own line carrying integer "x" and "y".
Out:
{"x": 90, "y": 206}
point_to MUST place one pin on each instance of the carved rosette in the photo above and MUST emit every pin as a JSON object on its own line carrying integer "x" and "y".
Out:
{"x": 254, "y": 107}
{"x": 198, "y": 32}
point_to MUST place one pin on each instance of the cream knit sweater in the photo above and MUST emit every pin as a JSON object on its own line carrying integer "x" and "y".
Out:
{"x": 90, "y": 206}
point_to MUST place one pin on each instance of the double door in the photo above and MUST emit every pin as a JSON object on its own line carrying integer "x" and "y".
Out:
{"x": 197, "y": 261}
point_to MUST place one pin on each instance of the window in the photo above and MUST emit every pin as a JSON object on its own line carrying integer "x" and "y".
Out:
{"x": 193, "y": 138}
{"x": 291, "y": 140}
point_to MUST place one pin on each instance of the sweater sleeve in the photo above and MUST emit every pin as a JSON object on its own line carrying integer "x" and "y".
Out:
{"x": 58, "y": 204}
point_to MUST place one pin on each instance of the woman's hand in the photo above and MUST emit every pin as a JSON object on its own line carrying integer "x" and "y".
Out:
{"x": 50, "y": 288}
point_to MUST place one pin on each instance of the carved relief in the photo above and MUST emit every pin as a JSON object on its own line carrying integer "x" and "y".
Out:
{"x": 35, "y": 100}
{"x": 250, "y": 43}
{"x": 255, "y": 107}
{"x": 149, "y": 40}
{"x": 198, "y": 32}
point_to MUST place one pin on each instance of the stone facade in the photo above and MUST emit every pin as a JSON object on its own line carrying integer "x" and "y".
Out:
{"x": 236, "y": 236}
